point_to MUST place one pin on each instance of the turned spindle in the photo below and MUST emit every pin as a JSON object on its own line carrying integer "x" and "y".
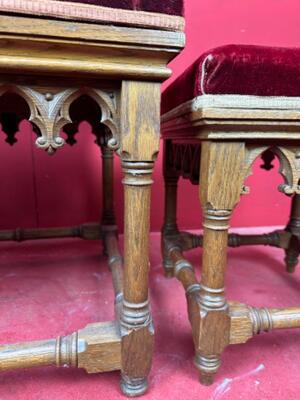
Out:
{"x": 247, "y": 321}
{"x": 90, "y": 231}
{"x": 60, "y": 352}
{"x": 96, "y": 348}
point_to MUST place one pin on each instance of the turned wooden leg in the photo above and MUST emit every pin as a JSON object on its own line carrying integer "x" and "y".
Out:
{"x": 136, "y": 322}
{"x": 170, "y": 218}
{"x": 140, "y": 124}
{"x": 221, "y": 184}
{"x": 108, "y": 222}
{"x": 108, "y": 216}
{"x": 215, "y": 322}
{"x": 293, "y": 250}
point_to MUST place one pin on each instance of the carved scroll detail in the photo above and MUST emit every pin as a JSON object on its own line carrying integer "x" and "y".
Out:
{"x": 289, "y": 158}
{"x": 49, "y": 112}
{"x": 251, "y": 155}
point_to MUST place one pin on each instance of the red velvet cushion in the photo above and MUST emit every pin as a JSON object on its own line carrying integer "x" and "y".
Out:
{"x": 238, "y": 69}
{"x": 174, "y": 7}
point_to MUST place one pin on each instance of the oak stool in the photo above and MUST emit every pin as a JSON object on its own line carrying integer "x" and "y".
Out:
{"x": 103, "y": 61}
{"x": 234, "y": 104}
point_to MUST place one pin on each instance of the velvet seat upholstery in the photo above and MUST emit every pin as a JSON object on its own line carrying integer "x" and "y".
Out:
{"x": 239, "y": 70}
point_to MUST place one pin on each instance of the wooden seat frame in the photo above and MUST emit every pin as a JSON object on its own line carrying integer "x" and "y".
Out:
{"x": 51, "y": 63}
{"x": 213, "y": 140}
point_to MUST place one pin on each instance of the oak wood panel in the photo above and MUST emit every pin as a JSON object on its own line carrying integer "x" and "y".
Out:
{"x": 140, "y": 116}
{"x": 122, "y": 52}
{"x": 91, "y": 33}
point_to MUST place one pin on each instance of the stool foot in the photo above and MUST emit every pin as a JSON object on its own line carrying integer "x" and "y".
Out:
{"x": 206, "y": 379}
{"x": 291, "y": 260}
{"x": 133, "y": 387}
{"x": 168, "y": 268}
{"x": 292, "y": 254}
{"x": 208, "y": 367}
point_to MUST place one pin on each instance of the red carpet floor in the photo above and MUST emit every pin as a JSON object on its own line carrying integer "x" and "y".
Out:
{"x": 49, "y": 288}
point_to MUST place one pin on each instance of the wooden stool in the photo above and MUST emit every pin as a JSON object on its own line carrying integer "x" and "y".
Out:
{"x": 233, "y": 105}
{"x": 62, "y": 63}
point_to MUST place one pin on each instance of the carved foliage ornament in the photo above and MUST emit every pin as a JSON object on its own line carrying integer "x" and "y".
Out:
{"x": 49, "y": 112}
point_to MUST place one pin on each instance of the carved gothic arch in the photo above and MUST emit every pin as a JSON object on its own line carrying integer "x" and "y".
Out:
{"x": 49, "y": 112}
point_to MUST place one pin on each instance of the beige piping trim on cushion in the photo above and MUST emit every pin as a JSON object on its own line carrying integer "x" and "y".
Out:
{"x": 86, "y": 12}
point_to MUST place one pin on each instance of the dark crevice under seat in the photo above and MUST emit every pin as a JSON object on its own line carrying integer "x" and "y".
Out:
{"x": 240, "y": 70}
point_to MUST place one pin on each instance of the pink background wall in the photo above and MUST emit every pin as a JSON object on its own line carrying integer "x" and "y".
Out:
{"x": 38, "y": 190}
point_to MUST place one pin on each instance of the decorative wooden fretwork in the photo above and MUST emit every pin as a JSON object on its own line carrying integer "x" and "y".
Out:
{"x": 184, "y": 159}
{"x": 50, "y": 111}
{"x": 289, "y": 164}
